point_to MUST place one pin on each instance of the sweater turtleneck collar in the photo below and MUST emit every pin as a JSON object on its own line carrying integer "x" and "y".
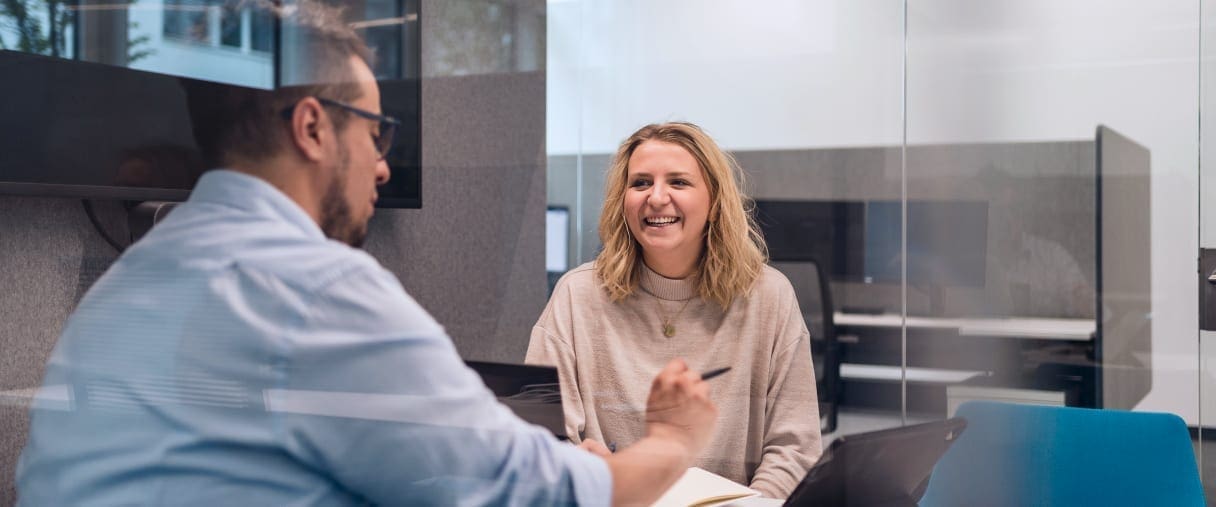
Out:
{"x": 669, "y": 289}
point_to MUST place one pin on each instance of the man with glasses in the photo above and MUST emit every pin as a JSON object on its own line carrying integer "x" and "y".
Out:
{"x": 243, "y": 353}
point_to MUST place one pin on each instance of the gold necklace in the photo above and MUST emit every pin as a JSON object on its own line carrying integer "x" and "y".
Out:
{"x": 669, "y": 330}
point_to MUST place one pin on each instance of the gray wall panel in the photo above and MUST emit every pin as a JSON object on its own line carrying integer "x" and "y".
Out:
{"x": 1127, "y": 286}
{"x": 49, "y": 256}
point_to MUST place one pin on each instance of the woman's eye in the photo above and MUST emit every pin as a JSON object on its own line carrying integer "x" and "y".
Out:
{"x": 681, "y": 183}
{"x": 639, "y": 183}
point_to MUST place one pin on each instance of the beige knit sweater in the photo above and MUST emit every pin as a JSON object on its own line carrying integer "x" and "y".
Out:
{"x": 608, "y": 353}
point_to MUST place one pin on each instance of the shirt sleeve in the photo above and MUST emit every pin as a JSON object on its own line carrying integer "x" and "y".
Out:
{"x": 792, "y": 442}
{"x": 548, "y": 347}
{"x": 375, "y": 397}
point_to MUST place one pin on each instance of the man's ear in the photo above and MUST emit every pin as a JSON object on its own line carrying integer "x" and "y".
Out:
{"x": 310, "y": 128}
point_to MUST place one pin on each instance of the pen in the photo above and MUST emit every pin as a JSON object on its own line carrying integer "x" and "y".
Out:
{"x": 714, "y": 372}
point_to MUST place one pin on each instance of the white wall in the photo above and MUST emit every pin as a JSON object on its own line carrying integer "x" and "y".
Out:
{"x": 819, "y": 73}
{"x": 773, "y": 74}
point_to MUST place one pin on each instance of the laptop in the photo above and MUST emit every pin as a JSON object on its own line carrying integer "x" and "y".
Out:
{"x": 887, "y": 467}
{"x": 531, "y": 391}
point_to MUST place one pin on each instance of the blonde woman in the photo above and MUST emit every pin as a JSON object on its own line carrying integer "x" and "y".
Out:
{"x": 682, "y": 274}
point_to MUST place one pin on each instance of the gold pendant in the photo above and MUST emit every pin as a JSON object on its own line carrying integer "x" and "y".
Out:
{"x": 669, "y": 330}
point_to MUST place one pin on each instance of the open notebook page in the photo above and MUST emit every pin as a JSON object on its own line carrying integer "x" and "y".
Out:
{"x": 701, "y": 488}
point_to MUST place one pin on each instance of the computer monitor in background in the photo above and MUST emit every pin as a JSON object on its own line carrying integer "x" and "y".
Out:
{"x": 947, "y": 245}
{"x": 557, "y": 239}
{"x": 831, "y": 233}
{"x": 861, "y": 241}
{"x": 947, "y": 242}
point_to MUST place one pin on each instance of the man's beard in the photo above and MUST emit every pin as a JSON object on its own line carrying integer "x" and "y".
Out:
{"x": 336, "y": 219}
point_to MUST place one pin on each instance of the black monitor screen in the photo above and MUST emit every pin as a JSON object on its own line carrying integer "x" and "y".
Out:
{"x": 860, "y": 240}
{"x": 828, "y": 232}
{"x": 947, "y": 242}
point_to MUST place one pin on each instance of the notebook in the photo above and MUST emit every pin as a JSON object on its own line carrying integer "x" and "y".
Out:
{"x": 702, "y": 488}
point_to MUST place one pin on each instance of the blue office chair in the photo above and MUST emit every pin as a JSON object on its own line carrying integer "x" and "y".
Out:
{"x": 1034, "y": 455}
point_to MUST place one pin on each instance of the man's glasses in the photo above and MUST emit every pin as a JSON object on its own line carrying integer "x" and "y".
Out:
{"x": 388, "y": 124}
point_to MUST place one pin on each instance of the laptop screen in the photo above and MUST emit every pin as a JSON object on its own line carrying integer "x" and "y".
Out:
{"x": 885, "y": 467}
{"x": 531, "y": 391}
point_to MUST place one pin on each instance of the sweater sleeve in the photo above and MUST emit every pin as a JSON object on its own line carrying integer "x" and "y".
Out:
{"x": 548, "y": 347}
{"x": 792, "y": 443}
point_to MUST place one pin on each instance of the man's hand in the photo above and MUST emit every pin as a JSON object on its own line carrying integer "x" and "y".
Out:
{"x": 679, "y": 422}
{"x": 595, "y": 447}
{"x": 679, "y": 408}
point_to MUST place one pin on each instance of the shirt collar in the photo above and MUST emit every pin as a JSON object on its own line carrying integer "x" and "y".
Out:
{"x": 670, "y": 289}
{"x": 254, "y": 195}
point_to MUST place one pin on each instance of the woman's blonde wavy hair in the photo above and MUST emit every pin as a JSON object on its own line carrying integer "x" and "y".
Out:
{"x": 734, "y": 252}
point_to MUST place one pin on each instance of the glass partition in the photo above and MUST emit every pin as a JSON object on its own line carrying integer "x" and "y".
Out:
{"x": 807, "y": 98}
{"x": 998, "y": 193}
{"x": 1206, "y": 360}
{"x": 1072, "y": 127}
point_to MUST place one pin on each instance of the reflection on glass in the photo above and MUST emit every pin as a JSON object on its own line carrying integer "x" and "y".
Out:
{"x": 36, "y": 26}
{"x": 261, "y": 27}
{"x": 228, "y": 41}
{"x": 125, "y": 129}
{"x": 216, "y": 40}
{"x": 485, "y": 37}
{"x": 186, "y": 20}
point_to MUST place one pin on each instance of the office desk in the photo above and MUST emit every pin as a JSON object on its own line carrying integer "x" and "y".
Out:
{"x": 942, "y": 352}
{"x": 1005, "y": 327}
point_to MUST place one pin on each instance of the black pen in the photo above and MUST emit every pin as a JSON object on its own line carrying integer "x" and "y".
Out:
{"x": 714, "y": 372}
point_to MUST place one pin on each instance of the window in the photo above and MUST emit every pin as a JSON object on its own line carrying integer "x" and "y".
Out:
{"x": 219, "y": 23}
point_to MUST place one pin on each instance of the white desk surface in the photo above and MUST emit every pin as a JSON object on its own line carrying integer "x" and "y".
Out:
{"x": 913, "y": 374}
{"x": 1010, "y": 327}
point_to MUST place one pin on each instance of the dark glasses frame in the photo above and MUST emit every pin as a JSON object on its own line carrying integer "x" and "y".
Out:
{"x": 388, "y": 124}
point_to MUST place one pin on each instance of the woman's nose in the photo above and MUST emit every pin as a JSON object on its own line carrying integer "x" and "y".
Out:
{"x": 658, "y": 195}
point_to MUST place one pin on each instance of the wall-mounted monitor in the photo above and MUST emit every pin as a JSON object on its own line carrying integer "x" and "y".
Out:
{"x": 94, "y": 104}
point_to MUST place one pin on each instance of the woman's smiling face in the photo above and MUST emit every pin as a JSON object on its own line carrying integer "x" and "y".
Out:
{"x": 667, "y": 206}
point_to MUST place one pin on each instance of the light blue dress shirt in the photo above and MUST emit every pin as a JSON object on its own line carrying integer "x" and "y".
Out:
{"x": 235, "y": 356}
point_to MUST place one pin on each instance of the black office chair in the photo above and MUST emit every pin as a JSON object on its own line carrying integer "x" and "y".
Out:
{"x": 814, "y": 292}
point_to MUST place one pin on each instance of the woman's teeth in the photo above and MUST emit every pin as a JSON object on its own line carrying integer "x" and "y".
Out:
{"x": 661, "y": 221}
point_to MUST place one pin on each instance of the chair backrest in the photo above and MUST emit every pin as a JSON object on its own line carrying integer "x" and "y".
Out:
{"x": 813, "y": 289}
{"x": 1036, "y": 455}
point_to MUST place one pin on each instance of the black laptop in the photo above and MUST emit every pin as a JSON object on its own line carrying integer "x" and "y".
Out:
{"x": 532, "y": 392}
{"x": 886, "y": 467}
